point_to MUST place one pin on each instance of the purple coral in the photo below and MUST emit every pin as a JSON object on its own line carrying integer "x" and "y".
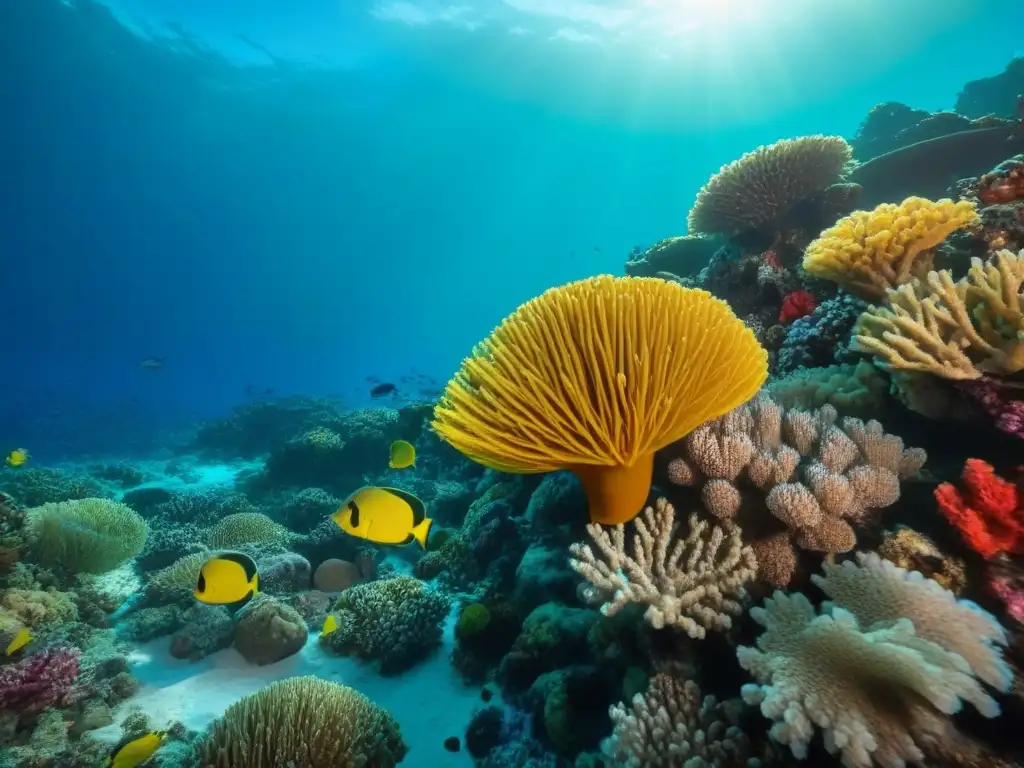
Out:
{"x": 40, "y": 681}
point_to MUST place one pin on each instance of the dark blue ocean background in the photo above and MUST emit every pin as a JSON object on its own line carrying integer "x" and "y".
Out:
{"x": 295, "y": 196}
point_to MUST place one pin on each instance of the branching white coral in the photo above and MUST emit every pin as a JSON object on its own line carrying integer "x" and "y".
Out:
{"x": 696, "y": 586}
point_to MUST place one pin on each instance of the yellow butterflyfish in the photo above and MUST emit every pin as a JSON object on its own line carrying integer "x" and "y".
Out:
{"x": 403, "y": 455}
{"x": 330, "y": 625}
{"x": 385, "y": 516}
{"x": 19, "y": 641}
{"x": 227, "y": 578}
{"x": 17, "y": 457}
{"x": 133, "y": 751}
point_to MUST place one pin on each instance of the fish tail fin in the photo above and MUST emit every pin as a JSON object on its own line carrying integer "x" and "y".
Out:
{"x": 422, "y": 531}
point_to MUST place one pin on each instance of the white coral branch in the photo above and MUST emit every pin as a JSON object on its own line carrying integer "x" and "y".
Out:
{"x": 696, "y": 585}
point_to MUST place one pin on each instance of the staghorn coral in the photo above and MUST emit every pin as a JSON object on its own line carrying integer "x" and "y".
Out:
{"x": 85, "y": 535}
{"x": 671, "y": 726}
{"x": 814, "y": 477}
{"x": 396, "y": 621}
{"x": 875, "y": 693}
{"x": 765, "y": 184}
{"x": 871, "y": 252}
{"x": 695, "y": 586}
{"x": 246, "y": 528}
{"x": 955, "y": 330}
{"x": 303, "y": 722}
{"x": 879, "y": 593}
{"x": 595, "y": 376}
{"x": 989, "y": 513}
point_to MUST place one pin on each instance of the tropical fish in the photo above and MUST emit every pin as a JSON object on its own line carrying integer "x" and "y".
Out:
{"x": 384, "y": 515}
{"x": 330, "y": 625}
{"x": 135, "y": 750}
{"x": 227, "y": 578}
{"x": 403, "y": 455}
{"x": 17, "y": 457}
{"x": 18, "y": 642}
{"x": 385, "y": 388}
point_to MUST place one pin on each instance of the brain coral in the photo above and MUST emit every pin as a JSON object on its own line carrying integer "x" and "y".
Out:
{"x": 594, "y": 377}
{"x": 246, "y": 528}
{"x": 766, "y": 183}
{"x": 85, "y": 535}
{"x": 303, "y": 722}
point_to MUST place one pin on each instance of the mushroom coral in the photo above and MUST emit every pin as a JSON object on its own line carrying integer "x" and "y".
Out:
{"x": 594, "y": 377}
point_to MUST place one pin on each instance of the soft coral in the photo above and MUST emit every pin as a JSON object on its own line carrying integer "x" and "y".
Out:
{"x": 989, "y": 514}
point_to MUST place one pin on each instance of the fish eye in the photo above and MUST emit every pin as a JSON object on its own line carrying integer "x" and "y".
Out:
{"x": 201, "y": 586}
{"x": 354, "y": 508}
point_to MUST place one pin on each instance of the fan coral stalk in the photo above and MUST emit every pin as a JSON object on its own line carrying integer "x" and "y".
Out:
{"x": 989, "y": 513}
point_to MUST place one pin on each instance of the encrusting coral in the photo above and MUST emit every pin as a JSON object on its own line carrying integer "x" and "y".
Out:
{"x": 695, "y": 585}
{"x": 764, "y": 184}
{"x": 870, "y": 252}
{"x": 595, "y": 376}
{"x": 672, "y": 725}
{"x": 813, "y": 476}
{"x": 956, "y": 330}
{"x": 302, "y": 722}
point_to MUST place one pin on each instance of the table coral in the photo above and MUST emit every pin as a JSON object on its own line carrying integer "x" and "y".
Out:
{"x": 871, "y": 252}
{"x": 695, "y": 583}
{"x": 811, "y": 475}
{"x": 955, "y": 330}
{"x": 989, "y": 512}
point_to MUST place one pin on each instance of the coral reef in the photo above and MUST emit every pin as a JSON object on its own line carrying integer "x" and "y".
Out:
{"x": 989, "y": 512}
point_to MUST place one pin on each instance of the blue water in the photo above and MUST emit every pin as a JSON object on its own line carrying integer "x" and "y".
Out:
{"x": 297, "y": 198}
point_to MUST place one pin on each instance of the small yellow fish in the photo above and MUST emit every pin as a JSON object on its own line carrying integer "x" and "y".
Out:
{"x": 403, "y": 455}
{"x": 136, "y": 750}
{"x": 330, "y": 625}
{"x": 227, "y": 578}
{"x": 18, "y": 642}
{"x": 17, "y": 457}
{"x": 384, "y": 515}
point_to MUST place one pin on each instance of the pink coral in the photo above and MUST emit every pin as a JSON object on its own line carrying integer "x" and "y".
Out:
{"x": 39, "y": 681}
{"x": 998, "y": 400}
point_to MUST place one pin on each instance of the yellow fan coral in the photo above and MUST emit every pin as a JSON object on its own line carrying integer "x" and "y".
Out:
{"x": 766, "y": 183}
{"x": 870, "y": 252}
{"x": 594, "y": 377}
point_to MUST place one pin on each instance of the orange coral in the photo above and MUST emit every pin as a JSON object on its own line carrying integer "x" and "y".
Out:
{"x": 990, "y": 512}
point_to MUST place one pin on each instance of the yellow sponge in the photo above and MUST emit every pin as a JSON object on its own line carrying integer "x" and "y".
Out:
{"x": 871, "y": 252}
